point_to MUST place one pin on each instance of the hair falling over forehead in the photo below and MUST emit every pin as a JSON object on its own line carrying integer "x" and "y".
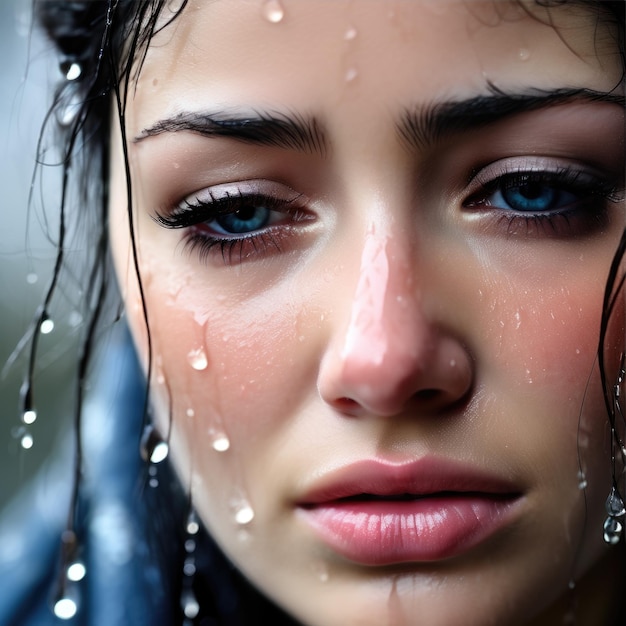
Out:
{"x": 102, "y": 45}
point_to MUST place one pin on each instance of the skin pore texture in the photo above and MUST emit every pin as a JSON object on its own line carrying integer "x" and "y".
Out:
{"x": 389, "y": 325}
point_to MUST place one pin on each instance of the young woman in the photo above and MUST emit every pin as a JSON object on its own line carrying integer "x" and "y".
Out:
{"x": 362, "y": 248}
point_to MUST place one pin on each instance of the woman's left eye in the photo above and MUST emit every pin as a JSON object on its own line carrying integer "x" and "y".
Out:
{"x": 535, "y": 192}
{"x": 526, "y": 193}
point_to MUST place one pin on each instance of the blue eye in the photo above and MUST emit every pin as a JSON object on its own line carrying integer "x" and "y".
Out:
{"x": 245, "y": 220}
{"x": 536, "y": 196}
{"x": 538, "y": 192}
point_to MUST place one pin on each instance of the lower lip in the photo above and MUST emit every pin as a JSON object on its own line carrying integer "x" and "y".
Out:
{"x": 386, "y": 532}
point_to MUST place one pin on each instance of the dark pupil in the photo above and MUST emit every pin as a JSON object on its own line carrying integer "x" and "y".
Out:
{"x": 245, "y": 220}
{"x": 530, "y": 196}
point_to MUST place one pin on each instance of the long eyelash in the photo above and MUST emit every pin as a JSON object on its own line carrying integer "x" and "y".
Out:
{"x": 194, "y": 213}
{"x": 569, "y": 179}
{"x": 204, "y": 244}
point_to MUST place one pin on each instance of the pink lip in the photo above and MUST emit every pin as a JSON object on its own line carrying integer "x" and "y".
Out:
{"x": 379, "y": 513}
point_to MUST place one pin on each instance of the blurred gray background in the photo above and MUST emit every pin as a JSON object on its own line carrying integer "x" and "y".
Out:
{"x": 28, "y": 70}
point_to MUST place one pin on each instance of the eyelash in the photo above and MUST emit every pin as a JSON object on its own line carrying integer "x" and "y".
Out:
{"x": 586, "y": 211}
{"x": 197, "y": 214}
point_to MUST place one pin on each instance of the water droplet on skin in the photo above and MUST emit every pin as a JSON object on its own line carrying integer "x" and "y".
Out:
{"x": 243, "y": 512}
{"x": 273, "y": 11}
{"x": 220, "y": 442}
{"x": 582, "y": 480}
{"x": 614, "y": 504}
{"x": 321, "y": 571}
{"x": 351, "y": 75}
{"x": 27, "y": 441}
{"x": 198, "y": 359}
{"x": 524, "y": 54}
{"x": 76, "y": 571}
{"x": 29, "y": 417}
{"x": 47, "y": 326}
{"x": 65, "y": 608}
{"x": 350, "y": 34}
{"x": 190, "y": 413}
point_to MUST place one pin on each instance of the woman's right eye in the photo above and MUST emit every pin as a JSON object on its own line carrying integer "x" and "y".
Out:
{"x": 238, "y": 221}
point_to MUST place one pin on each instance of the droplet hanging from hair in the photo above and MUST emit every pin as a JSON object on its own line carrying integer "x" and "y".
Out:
{"x": 154, "y": 449}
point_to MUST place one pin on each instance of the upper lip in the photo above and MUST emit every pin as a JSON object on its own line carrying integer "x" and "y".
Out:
{"x": 423, "y": 477}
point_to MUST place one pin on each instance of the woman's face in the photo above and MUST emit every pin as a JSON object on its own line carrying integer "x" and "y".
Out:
{"x": 373, "y": 238}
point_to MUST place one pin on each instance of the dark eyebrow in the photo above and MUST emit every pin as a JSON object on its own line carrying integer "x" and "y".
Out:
{"x": 425, "y": 125}
{"x": 293, "y": 132}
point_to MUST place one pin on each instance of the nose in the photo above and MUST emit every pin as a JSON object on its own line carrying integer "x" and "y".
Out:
{"x": 389, "y": 357}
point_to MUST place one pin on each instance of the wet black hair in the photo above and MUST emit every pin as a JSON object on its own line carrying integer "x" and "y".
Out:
{"x": 101, "y": 46}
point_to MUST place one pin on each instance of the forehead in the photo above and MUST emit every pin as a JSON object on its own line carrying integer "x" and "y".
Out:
{"x": 337, "y": 54}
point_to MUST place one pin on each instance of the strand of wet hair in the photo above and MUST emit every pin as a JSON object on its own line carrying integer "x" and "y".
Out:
{"x": 614, "y": 287}
{"x": 121, "y": 103}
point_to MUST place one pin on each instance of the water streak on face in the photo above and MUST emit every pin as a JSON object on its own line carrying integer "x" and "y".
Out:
{"x": 380, "y": 297}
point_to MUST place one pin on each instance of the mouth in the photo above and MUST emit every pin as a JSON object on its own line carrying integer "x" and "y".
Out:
{"x": 375, "y": 513}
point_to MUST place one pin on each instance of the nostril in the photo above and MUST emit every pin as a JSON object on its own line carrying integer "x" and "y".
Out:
{"x": 346, "y": 405}
{"x": 427, "y": 394}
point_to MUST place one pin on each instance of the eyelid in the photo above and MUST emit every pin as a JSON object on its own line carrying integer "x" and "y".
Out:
{"x": 484, "y": 177}
{"x": 204, "y": 205}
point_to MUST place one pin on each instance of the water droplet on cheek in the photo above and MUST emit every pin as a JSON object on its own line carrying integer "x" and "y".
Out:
{"x": 220, "y": 442}
{"x": 351, "y": 75}
{"x": 273, "y": 11}
{"x": 524, "y": 54}
{"x": 243, "y": 511}
{"x": 350, "y": 34}
{"x": 198, "y": 359}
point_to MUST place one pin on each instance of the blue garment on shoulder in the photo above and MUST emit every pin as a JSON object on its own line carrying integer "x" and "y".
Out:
{"x": 124, "y": 583}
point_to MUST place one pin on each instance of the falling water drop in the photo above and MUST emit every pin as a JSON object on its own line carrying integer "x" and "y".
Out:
{"x": 193, "y": 527}
{"x": 197, "y": 359}
{"x": 582, "y": 480}
{"x": 65, "y": 608}
{"x": 29, "y": 416}
{"x": 72, "y": 70}
{"x": 32, "y": 278}
{"x": 46, "y": 326}
{"x": 190, "y": 604}
{"x": 27, "y": 441}
{"x": 273, "y": 11}
{"x": 614, "y": 504}
{"x": 76, "y": 571}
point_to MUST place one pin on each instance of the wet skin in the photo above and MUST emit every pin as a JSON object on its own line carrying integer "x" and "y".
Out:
{"x": 351, "y": 303}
